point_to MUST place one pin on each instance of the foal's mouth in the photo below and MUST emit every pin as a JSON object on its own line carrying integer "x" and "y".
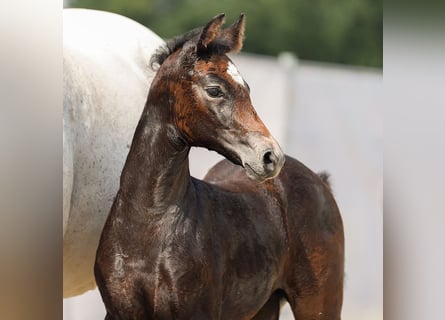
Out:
{"x": 258, "y": 176}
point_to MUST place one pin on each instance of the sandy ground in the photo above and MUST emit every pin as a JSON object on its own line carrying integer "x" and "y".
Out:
{"x": 330, "y": 118}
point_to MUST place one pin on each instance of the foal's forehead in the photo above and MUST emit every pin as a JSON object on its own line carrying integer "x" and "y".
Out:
{"x": 221, "y": 66}
{"x": 233, "y": 72}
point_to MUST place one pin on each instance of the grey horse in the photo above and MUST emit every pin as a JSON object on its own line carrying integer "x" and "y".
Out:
{"x": 106, "y": 76}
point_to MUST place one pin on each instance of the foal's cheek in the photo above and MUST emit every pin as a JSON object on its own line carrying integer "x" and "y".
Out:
{"x": 182, "y": 124}
{"x": 222, "y": 114}
{"x": 184, "y": 108}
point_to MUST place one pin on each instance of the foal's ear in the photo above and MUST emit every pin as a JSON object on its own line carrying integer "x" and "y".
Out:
{"x": 211, "y": 30}
{"x": 234, "y": 34}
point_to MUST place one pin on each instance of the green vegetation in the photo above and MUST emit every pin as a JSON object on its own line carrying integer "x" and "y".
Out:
{"x": 342, "y": 31}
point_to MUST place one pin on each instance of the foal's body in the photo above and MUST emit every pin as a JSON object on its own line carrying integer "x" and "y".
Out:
{"x": 249, "y": 255}
{"x": 228, "y": 247}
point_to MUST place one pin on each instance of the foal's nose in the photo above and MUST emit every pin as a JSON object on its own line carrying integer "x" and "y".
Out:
{"x": 272, "y": 161}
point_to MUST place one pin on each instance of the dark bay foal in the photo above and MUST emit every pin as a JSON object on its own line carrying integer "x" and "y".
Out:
{"x": 235, "y": 245}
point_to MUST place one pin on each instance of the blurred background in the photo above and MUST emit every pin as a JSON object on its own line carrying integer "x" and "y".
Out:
{"x": 341, "y": 31}
{"x": 315, "y": 72}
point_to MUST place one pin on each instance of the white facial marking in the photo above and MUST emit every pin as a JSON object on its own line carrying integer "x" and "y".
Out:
{"x": 234, "y": 73}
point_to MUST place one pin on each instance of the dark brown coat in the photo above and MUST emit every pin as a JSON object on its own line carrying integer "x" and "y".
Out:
{"x": 235, "y": 245}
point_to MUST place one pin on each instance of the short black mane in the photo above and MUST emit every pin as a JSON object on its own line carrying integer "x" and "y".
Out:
{"x": 218, "y": 46}
{"x": 171, "y": 45}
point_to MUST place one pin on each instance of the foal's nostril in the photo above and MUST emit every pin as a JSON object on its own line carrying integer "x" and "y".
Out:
{"x": 268, "y": 158}
{"x": 270, "y": 162}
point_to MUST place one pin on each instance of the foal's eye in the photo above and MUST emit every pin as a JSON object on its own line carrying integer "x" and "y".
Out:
{"x": 214, "y": 92}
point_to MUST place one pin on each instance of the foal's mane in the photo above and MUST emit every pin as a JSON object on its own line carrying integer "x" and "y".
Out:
{"x": 171, "y": 45}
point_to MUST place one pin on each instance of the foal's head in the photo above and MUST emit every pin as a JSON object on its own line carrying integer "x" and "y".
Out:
{"x": 210, "y": 101}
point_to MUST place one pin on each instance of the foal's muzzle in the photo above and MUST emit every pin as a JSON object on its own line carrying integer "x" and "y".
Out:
{"x": 271, "y": 162}
{"x": 265, "y": 161}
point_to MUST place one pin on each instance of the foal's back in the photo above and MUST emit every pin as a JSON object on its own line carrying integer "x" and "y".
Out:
{"x": 313, "y": 230}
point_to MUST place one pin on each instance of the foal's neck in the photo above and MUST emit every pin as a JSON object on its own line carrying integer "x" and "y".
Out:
{"x": 156, "y": 173}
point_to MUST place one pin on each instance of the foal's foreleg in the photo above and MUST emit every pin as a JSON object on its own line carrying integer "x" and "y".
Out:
{"x": 325, "y": 302}
{"x": 108, "y": 317}
{"x": 270, "y": 310}
{"x": 311, "y": 308}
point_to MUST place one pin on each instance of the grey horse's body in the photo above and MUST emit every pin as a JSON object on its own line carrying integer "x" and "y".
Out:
{"x": 106, "y": 76}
